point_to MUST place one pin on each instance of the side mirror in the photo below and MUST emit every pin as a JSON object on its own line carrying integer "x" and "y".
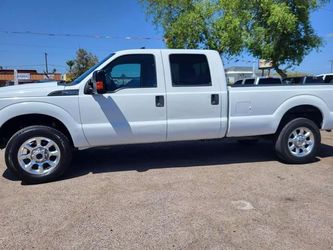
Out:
{"x": 98, "y": 82}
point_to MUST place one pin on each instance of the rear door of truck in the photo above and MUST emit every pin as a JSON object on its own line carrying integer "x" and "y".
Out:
{"x": 194, "y": 95}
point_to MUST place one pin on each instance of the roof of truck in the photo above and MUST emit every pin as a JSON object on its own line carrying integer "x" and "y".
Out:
{"x": 169, "y": 50}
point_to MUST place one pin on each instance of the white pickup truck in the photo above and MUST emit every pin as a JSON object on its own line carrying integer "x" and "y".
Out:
{"x": 146, "y": 96}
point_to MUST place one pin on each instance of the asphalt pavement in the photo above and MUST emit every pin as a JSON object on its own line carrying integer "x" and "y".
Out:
{"x": 185, "y": 195}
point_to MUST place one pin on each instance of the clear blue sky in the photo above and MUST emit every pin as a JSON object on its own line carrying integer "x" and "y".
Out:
{"x": 121, "y": 18}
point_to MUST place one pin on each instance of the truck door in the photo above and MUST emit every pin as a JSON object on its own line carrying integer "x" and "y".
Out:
{"x": 193, "y": 96}
{"x": 134, "y": 108}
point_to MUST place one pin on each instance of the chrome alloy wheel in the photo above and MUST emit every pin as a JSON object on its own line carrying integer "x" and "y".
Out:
{"x": 301, "y": 142}
{"x": 38, "y": 155}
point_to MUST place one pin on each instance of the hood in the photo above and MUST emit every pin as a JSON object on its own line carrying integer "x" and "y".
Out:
{"x": 30, "y": 89}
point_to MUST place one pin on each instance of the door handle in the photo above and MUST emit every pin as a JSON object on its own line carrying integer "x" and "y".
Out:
{"x": 159, "y": 101}
{"x": 214, "y": 99}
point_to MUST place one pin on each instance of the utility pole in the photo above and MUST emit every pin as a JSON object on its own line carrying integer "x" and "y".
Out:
{"x": 15, "y": 77}
{"x": 253, "y": 68}
{"x": 331, "y": 66}
{"x": 46, "y": 66}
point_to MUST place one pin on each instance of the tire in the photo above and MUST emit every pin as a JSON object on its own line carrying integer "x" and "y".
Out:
{"x": 38, "y": 154}
{"x": 298, "y": 142}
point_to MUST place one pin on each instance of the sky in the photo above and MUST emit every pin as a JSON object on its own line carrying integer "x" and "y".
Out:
{"x": 124, "y": 20}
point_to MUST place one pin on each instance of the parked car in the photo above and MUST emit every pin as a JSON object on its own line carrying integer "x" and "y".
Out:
{"x": 268, "y": 80}
{"x": 327, "y": 78}
{"x": 303, "y": 80}
{"x": 239, "y": 82}
{"x": 258, "y": 81}
{"x": 147, "y": 96}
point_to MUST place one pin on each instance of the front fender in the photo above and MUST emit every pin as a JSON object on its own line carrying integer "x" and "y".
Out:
{"x": 34, "y": 107}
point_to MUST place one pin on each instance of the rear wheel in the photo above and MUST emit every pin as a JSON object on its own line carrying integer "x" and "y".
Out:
{"x": 298, "y": 141}
{"x": 38, "y": 154}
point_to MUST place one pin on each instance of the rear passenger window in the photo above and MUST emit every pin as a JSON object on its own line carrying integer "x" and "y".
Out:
{"x": 189, "y": 70}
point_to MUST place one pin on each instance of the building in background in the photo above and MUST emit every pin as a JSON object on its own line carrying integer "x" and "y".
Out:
{"x": 236, "y": 73}
{"x": 7, "y": 76}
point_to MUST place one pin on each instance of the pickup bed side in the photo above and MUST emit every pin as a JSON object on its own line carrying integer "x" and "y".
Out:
{"x": 252, "y": 113}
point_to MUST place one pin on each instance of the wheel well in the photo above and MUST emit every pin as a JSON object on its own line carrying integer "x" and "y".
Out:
{"x": 9, "y": 128}
{"x": 304, "y": 111}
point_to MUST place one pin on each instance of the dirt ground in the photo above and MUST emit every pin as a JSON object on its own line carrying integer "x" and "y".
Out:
{"x": 188, "y": 195}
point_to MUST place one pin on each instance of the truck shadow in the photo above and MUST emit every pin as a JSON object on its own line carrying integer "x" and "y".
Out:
{"x": 142, "y": 158}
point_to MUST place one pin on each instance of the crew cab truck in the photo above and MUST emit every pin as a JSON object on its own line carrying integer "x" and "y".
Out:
{"x": 147, "y": 96}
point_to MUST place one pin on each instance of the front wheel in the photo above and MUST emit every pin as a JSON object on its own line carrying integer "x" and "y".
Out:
{"x": 298, "y": 141}
{"x": 38, "y": 154}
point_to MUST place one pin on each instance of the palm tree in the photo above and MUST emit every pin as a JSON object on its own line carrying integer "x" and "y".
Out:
{"x": 70, "y": 64}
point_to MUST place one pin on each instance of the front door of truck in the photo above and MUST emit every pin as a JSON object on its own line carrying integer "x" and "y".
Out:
{"x": 134, "y": 108}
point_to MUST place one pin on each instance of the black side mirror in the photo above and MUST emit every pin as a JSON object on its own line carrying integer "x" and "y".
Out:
{"x": 98, "y": 82}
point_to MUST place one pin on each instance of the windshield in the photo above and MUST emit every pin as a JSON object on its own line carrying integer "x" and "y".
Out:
{"x": 85, "y": 74}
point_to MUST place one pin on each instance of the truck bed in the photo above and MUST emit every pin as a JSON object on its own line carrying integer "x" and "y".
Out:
{"x": 258, "y": 110}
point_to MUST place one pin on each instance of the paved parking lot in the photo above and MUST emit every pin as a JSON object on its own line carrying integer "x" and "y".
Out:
{"x": 192, "y": 195}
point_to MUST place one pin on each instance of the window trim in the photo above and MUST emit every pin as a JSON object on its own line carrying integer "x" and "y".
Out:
{"x": 138, "y": 54}
{"x": 190, "y": 85}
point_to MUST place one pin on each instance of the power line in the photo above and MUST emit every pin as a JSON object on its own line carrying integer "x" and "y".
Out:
{"x": 33, "y": 65}
{"x": 80, "y": 35}
{"x": 26, "y": 65}
{"x": 34, "y": 45}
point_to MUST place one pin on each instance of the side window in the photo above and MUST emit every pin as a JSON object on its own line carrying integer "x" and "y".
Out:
{"x": 239, "y": 82}
{"x": 297, "y": 80}
{"x": 329, "y": 79}
{"x": 249, "y": 82}
{"x": 263, "y": 81}
{"x": 189, "y": 70}
{"x": 131, "y": 71}
{"x": 314, "y": 79}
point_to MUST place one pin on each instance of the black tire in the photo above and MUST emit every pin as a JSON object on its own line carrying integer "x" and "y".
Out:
{"x": 15, "y": 142}
{"x": 282, "y": 144}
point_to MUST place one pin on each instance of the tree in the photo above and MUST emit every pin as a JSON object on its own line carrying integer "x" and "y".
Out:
{"x": 83, "y": 61}
{"x": 276, "y": 30}
{"x": 70, "y": 64}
